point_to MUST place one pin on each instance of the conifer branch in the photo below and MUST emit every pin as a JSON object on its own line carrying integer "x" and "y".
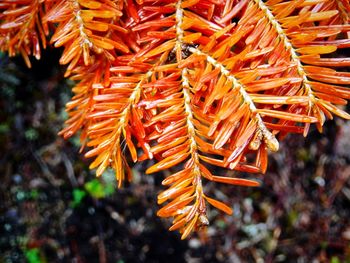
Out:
{"x": 179, "y": 82}
{"x": 289, "y": 47}
{"x": 196, "y": 171}
{"x": 84, "y": 29}
{"x": 108, "y": 150}
{"x": 266, "y": 135}
{"x": 22, "y": 29}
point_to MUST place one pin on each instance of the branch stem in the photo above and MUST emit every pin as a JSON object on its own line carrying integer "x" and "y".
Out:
{"x": 197, "y": 181}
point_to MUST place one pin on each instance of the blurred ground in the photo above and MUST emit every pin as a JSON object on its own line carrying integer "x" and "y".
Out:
{"x": 52, "y": 209}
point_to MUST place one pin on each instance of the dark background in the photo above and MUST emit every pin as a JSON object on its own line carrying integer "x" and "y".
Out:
{"x": 52, "y": 209}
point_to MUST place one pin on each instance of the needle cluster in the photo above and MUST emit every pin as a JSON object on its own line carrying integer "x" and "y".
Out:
{"x": 191, "y": 84}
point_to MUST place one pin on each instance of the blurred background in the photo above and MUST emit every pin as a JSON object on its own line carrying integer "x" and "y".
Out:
{"x": 53, "y": 209}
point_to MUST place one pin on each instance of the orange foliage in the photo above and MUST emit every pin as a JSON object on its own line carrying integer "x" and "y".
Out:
{"x": 190, "y": 83}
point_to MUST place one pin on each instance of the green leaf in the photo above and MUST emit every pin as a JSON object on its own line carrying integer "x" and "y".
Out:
{"x": 98, "y": 189}
{"x": 78, "y": 196}
{"x": 33, "y": 255}
{"x": 31, "y": 134}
